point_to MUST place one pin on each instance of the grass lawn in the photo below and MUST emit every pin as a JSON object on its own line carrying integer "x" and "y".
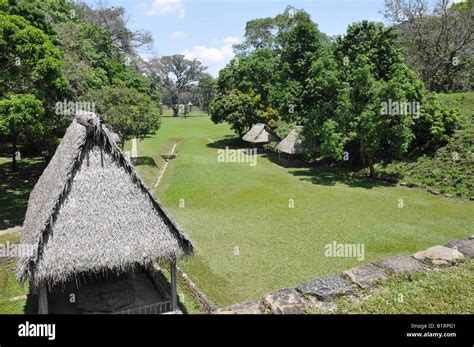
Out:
{"x": 448, "y": 291}
{"x": 15, "y": 188}
{"x": 249, "y": 241}
{"x": 9, "y": 287}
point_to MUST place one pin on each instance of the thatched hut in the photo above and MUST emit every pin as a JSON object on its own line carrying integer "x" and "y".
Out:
{"x": 260, "y": 133}
{"x": 292, "y": 143}
{"x": 97, "y": 231}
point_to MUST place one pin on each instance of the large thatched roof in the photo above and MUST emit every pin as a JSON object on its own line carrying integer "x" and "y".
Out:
{"x": 292, "y": 143}
{"x": 90, "y": 213}
{"x": 260, "y": 133}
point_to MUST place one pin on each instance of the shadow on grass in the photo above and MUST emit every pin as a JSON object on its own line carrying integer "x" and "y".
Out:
{"x": 322, "y": 174}
{"x": 228, "y": 141}
{"x": 15, "y": 188}
{"x": 148, "y": 161}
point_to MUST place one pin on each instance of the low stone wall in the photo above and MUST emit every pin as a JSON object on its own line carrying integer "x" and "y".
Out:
{"x": 319, "y": 293}
{"x": 204, "y": 302}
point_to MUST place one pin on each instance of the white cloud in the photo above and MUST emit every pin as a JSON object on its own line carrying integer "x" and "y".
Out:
{"x": 213, "y": 54}
{"x": 231, "y": 40}
{"x": 177, "y": 35}
{"x": 162, "y": 7}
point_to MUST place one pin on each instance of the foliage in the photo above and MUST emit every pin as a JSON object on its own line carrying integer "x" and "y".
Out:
{"x": 449, "y": 169}
{"x": 55, "y": 50}
{"x": 176, "y": 74}
{"x": 129, "y": 112}
{"x": 206, "y": 91}
{"x": 437, "y": 38}
{"x": 255, "y": 72}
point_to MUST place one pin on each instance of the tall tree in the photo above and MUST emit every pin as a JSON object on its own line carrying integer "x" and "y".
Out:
{"x": 268, "y": 32}
{"x": 115, "y": 20}
{"x": 176, "y": 74}
{"x": 206, "y": 91}
{"x": 438, "y": 39}
{"x": 256, "y": 71}
{"x": 372, "y": 75}
{"x": 303, "y": 44}
{"x": 30, "y": 80}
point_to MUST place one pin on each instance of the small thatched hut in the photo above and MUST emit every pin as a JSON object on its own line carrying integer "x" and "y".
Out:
{"x": 292, "y": 143}
{"x": 260, "y": 133}
{"x": 97, "y": 231}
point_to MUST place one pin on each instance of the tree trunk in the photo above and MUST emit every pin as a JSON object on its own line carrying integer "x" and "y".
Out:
{"x": 371, "y": 167}
{"x": 14, "y": 162}
{"x": 367, "y": 160}
{"x": 175, "y": 110}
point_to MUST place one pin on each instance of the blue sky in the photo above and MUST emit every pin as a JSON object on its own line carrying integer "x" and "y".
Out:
{"x": 206, "y": 29}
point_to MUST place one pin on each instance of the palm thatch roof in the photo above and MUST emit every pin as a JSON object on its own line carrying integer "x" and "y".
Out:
{"x": 260, "y": 133}
{"x": 90, "y": 214}
{"x": 292, "y": 143}
{"x": 113, "y": 135}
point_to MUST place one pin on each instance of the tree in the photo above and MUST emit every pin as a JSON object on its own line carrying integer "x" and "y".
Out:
{"x": 115, "y": 21}
{"x": 268, "y": 33}
{"x": 300, "y": 47}
{"x": 434, "y": 127}
{"x": 206, "y": 91}
{"x": 437, "y": 39}
{"x": 256, "y": 71}
{"x": 241, "y": 111}
{"x": 374, "y": 75}
{"x": 129, "y": 112}
{"x": 176, "y": 74}
{"x": 30, "y": 73}
{"x": 21, "y": 117}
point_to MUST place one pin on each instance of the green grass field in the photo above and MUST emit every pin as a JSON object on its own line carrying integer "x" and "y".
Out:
{"x": 249, "y": 241}
{"x": 9, "y": 288}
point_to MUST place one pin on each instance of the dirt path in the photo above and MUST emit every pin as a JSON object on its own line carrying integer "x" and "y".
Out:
{"x": 163, "y": 169}
{"x": 134, "y": 153}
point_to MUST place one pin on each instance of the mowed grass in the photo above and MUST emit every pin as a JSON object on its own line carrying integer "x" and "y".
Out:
{"x": 249, "y": 241}
{"x": 11, "y": 294}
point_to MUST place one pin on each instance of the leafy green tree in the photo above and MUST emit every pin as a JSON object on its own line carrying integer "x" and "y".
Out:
{"x": 176, "y": 74}
{"x": 367, "y": 73}
{"x": 21, "y": 117}
{"x": 29, "y": 61}
{"x": 30, "y": 72}
{"x": 302, "y": 45}
{"x": 256, "y": 72}
{"x": 241, "y": 111}
{"x": 434, "y": 127}
{"x": 129, "y": 112}
{"x": 206, "y": 91}
{"x": 268, "y": 33}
